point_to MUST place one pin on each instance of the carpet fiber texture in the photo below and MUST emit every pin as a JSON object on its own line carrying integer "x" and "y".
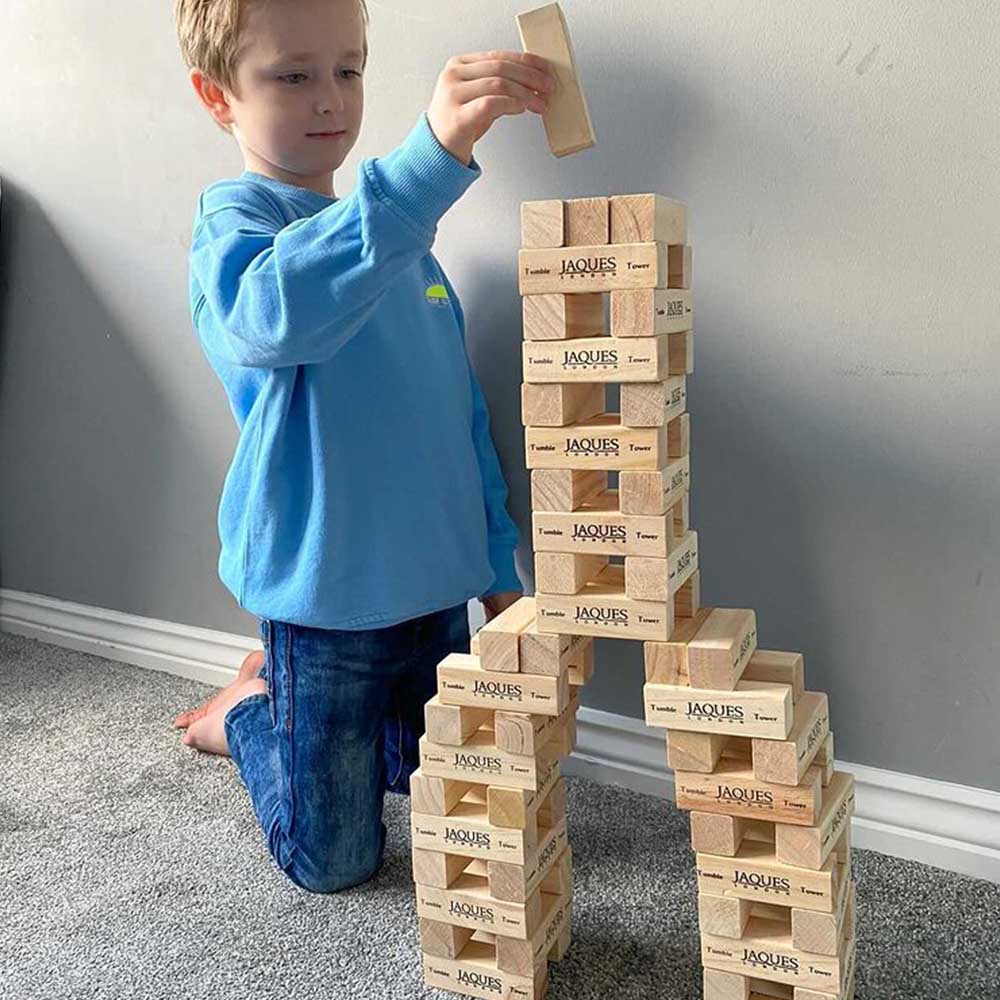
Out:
{"x": 132, "y": 867}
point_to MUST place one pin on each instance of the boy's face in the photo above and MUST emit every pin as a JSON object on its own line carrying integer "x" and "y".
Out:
{"x": 299, "y": 74}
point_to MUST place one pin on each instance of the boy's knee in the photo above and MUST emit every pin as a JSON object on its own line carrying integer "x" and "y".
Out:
{"x": 332, "y": 878}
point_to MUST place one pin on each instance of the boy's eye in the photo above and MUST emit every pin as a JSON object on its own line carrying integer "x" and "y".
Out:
{"x": 288, "y": 77}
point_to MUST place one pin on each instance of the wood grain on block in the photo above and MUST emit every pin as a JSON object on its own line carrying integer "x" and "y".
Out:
{"x": 823, "y": 933}
{"x": 558, "y": 405}
{"x": 824, "y": 759}
{"x": 552, "y": 654}
{"x": 575, "y": 270}
{"x": 598, "y": 526}
{"x": 687, "y": 600}
{"x": 681, "y": 512}
{"x": 647, "y": 218}
{"x": 753, "y": 709}
{"x": 679, "y": 436}
{"x": 602, "y": 609}
{"x": 517, "y": 808}
{"x": 558, "y": 951}
{"x": 469, "y": 903}
{"x": 731, "y": 788}
{"x": 646, "y": 312}
{"x": 766, "y": 951}
{"x": 599, "y": 443}
{"x": 562, "y": 317}
{"x": 679, "y": 266}
{"x": 667, "y": 662}
{"x": 567, "y": 119}
{"x": 654, "y": 492}
{"x": 718, "y": 985}
{"x": 783, "y": 762}
{"x": 565, "y": 489}
{"x": 543, "y": 224}
{"x": 716, "y": 833}
{"x": 754, "y": 872}
{"x": 596, "y": 359}
{"x": 719, "y": 652}
{"x": 515, "y": 882}
{"x": 701, "y": 752}
{"x": 653, "y": 404}
{"x": 588, "y": 221}
{"x": 442, "y": 940}
{"x": 810, "y": 845}
{"x": 723, "y": 916}
{"x": 453, "y": 724}
{"x": 778, "y": 667}
{"x": 523, "y": 957}
{"x": 846, "y": 993}
{"x": 520, "y": 733}
{"x": 498, "y": 638}
{"x": 650, "y": 579}
{"x": 681, "y": 353}
{"x": 566, "y": 572}
{"x": 433, "y": 868}
{"x": 474, "y": 973}
{"x": 436, "y": 796}
{"x": 462, "y": 681}
{"x": 481, "y": 760}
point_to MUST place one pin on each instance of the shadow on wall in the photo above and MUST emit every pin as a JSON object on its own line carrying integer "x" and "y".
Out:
{"x": 99, "y": 462}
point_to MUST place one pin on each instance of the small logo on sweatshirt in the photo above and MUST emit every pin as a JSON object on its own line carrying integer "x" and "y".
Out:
{"x": 437, "y": 295}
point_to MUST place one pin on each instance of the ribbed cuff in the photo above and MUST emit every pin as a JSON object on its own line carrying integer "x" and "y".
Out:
{"x": 420, "y": 177}
{"x": 506, "y": 579}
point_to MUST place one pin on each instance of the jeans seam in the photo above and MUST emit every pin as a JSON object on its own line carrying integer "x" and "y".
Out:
{"x": 287, "y": 727}
{"x": 399, "y": 743}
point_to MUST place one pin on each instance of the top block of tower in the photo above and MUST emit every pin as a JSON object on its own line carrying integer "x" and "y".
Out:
{"x": 647, "y": 218}
{"x": 567, "y": 120}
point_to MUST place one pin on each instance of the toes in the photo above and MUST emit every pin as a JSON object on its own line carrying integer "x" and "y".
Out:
{"x": 182, "y": 721}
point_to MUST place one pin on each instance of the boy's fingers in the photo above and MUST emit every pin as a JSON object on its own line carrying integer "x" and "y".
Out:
{"x": 525, "y": 75}
{"x": 498, "y": 87}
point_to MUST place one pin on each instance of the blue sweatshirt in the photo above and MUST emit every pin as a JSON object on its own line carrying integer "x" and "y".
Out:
{"x": 365, "y": 489}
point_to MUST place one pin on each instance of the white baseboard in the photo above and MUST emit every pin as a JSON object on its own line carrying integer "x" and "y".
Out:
{"x": 950, "y": 826}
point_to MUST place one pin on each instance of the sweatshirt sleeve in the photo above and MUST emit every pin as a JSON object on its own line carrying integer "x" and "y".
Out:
{"x": 503, "y": 533}
{"x": 293, "y": 294}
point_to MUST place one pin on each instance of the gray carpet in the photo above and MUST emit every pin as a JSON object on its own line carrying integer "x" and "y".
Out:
{"x": 132, "y": 867}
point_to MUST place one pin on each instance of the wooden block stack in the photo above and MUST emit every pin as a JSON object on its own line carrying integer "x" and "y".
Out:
{"x": 491, "y": 857}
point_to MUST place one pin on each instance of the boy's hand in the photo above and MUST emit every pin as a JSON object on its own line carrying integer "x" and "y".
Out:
{"x": 474, "y": 90}
{"x": 496, "y": 603}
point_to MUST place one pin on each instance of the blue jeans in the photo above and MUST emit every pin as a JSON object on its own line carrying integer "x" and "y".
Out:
{"x": 339, "y": 724}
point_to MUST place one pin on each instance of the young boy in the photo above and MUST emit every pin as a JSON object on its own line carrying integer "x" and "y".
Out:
{"x": 365, "y": 503}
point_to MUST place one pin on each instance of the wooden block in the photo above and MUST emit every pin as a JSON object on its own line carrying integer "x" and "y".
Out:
{"x": 687, "y": 600}
{"x": 566, "y": 572}
{"x": 462, "y": 681}
{"x": 667, "y": 662}
{"x": 522, "y": 958}
{"x": 498, "y": 638}
{"x": 681, "y": 513}
{"x": 646, "y": 312}
{"x": 681, "y": 353}
{"x": 588, "y": 222}
{"x": 732, "y": 789}
{"x": 520, "y": 733}
{"x": 597, "y": 526}
{"x": 434, "y": 796}
{"x": 581, "y": 672}
{"x": 442, "y": 940}
{"x": 783, "y": 762}
{"x": 822, "y": 933}
{"x": 600, "y": 443}
{"x": 596, "y": 359}
{"x": 468, "y": 903}
{"x": 562, "y": 317}
{"x": 690, "y": 751}
{"x": 717, "y": 833}
{"x": 552, "y": 810}
{"x": 718, "y": 985}
{"x": 647, "y": 218}
{"x": 559, "y": 405}
{"x": 824, "y": 759}
{"x": 719, "y": 652}
{"x": 766, "y": 950}
{"x": 723, "y": 916}
{"x": 474, "y": 646}
{"x": 573, "y": 270}
{"x": 809, "y": 845}
{"x": 653, "y": 404}
{"x": 558, "y": 951}
{"x": 474, "y": 973}
{"x": 517, "y": 808}
{"x": 567, "y": 119}
{"x": 679, "y": 436}
{"x": 849, "y": 956}
{"x": 560, "y": 878}
{"x": 753, "y": 709}
{"x": 650, "y": 579}
{"x": 543, "y": 224}
{"x": 602, "y": 609}
{"x": 779, "y": 668}
{"x": 565, "y": 489}
{"x": 515, "y": 882}
{"x": 550, "y": 655}
{"x": 654, "y": 492}
{"x": 453, "y": 724}
{"x": 481, "y": 760}
{"x": 679, "y": 267}
{"x": 433, "y": 868}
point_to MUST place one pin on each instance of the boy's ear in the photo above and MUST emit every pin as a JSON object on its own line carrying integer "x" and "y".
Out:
{"x": 212, "y": 97}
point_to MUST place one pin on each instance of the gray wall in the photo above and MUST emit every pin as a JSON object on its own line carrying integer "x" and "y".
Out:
{"x": 841, "y": 166}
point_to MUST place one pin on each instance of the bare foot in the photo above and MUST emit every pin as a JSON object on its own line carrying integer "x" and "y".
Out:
{"x": 249, "y": 668}
{"x": 209, "y": 732}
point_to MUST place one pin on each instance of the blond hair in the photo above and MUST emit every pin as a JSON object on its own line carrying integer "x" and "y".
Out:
{"x": 209, "y": 35}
